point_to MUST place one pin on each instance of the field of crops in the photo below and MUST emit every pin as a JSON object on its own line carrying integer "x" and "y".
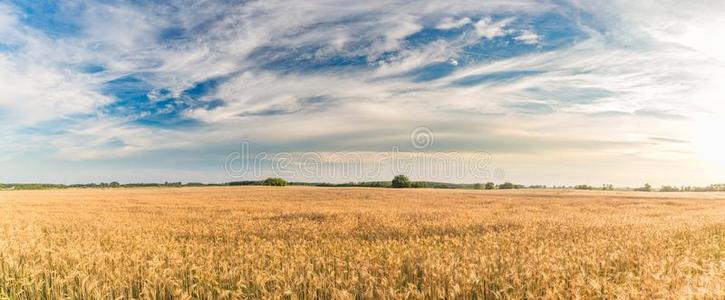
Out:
{"x": 302, "y": 242}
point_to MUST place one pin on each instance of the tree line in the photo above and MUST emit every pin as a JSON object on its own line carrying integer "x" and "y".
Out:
{"x": 399, "y": 181}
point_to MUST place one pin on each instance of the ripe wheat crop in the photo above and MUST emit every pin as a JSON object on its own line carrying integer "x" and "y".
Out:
{"x": 344, "y": 243}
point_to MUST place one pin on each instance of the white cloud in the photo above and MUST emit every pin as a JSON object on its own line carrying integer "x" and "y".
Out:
{"x": 528, "y": 37}
{"x": 451, "y": 23}
{"x": 7, "y": 17}
{"x": 489, "y": 29}
{"x": 651, "y": 58}
{"x": 438, "y": 51}
{"x": 36, "y": 83}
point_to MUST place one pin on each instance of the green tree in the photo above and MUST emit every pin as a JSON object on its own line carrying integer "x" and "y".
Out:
{"x": 419, "y": 184}
{"x": 115, "y": 184}
{"x": 669, "y": 189}
{"x": 490, "y": 186}
{"x": 646, "y": 188}
{"x": 506, "y": 186}
{"x": 401, "y": 181}
{"x": 274, "y": 181}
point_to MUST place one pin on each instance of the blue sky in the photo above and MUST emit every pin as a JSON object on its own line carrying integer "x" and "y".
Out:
{"x": 558, "y": 92}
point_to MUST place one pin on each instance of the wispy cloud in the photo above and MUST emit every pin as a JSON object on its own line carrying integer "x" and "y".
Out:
{"x": 489, "y": 29}
{"x": 451, "y": 23}
{"x": 96, "y": 80}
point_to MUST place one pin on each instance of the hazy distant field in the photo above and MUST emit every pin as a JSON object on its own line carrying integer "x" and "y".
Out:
{"x": 368, "y": 243}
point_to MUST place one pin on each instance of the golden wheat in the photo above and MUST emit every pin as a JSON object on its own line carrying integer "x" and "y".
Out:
{"x": 306, "y": 243}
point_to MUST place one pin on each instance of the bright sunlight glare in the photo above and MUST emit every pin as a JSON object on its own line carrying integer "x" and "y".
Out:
{"x": 709, "y": 145}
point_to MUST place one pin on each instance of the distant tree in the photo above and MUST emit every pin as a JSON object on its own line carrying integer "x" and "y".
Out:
{"x": 583, "y": 187}
{"x": 669, "y": 189}
{"x": 401, "y": 181}
{"x": 275, "y": 181}
{"x": 478, "y": 186}
{"x": 718, "y": 187}
{"x": 114, "y": 184}
{"x": 646, "y": 188}
{"x": 490, "y": 186}
{"x": 506, "y": 186}
{"x": 419, "y": 184}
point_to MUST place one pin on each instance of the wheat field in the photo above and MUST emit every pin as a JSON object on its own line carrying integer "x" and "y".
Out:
{"x": 345, "y": 243}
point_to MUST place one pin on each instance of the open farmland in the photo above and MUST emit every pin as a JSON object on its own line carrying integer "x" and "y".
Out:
{"x": 299, "y": 242}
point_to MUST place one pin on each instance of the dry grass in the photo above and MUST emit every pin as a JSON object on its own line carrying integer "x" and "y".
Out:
{"x": 359, "y": 243}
